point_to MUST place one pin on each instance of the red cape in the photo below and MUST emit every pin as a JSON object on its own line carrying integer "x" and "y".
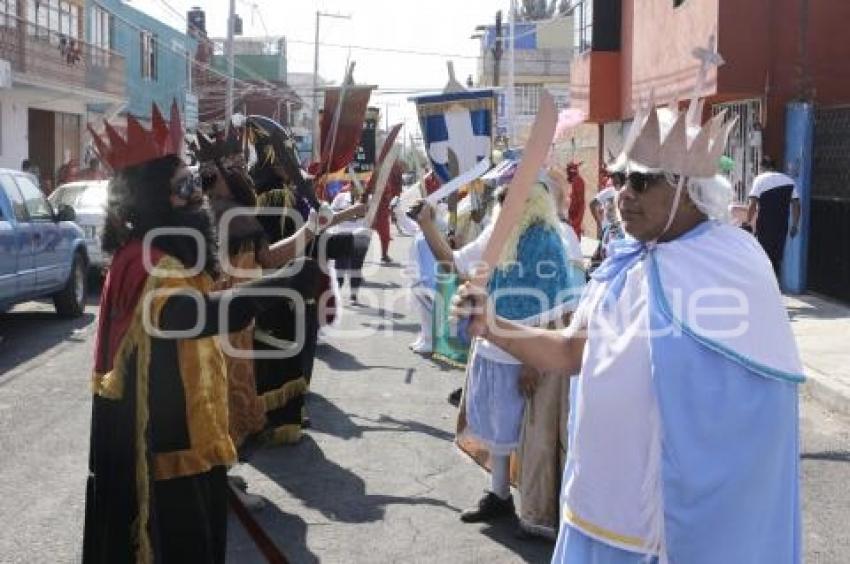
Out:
{"x": 121, "y": 293}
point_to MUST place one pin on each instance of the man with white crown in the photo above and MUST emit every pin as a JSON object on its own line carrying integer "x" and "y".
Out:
{"x": 684, "y": 417}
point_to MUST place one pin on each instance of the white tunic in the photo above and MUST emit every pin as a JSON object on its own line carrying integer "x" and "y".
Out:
{"x": 612, "y": 489}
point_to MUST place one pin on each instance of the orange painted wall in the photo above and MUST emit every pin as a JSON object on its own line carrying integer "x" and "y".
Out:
{"x": 595, "y": 85}
{"x": 605, "y": 86}
{"x": 761, "y": 39}
{"x": 658, "y": 45}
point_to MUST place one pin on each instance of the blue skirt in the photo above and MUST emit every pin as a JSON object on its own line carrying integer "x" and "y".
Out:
{"x": 574, "y": 547}
{"x": 494, "y": 404}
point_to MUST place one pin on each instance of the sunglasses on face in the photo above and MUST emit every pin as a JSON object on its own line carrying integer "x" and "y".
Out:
{"x": 640, "y": 182}
{"x": 618, "y": 179}
{"x": 188, "y": 185}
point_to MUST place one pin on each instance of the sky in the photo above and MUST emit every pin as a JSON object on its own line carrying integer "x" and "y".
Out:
{"x": 440, "y": 28}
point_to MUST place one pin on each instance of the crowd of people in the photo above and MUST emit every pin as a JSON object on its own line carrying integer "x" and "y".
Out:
{"x": 208, "y": 328}
{"x": 630, "y": 398}
{"x": 640, "y": 418}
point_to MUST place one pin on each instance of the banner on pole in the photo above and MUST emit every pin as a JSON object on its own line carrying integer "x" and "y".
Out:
{"x": 364, "y": 155}
{"x": 341, "y": 123}
{"x": 457, "y": 129}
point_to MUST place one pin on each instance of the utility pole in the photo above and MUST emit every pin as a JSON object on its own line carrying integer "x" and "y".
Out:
{"x": 511, "y": 97}
{"x": 497, "y": 49}
{"x": 314, "y": 122}
{"x": 231, "y": 19}
{"x": 314, "y": 125}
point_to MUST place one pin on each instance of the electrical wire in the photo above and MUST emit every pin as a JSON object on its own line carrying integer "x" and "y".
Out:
{"x": 417, "y": 52}
{"x": 183, "y": 54}
{"x": 253, "y": 75}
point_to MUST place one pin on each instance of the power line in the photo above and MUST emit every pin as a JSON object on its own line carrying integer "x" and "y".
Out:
{"x": 180, "y": 53}
{"x": 406, "y": 51}
{"x": 400, "y": 51}
{"x": 247, "y": 70}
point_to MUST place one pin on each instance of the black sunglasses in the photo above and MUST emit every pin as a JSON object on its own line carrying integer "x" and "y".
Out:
{"x": 640, "y": 182}
{"x": 188, "y": 185}
{"x": 618, "y": 179}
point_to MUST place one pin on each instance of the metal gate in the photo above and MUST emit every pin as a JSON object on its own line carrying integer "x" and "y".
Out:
{"x": 744, "y": 145}
{"x": 829, "y": 239}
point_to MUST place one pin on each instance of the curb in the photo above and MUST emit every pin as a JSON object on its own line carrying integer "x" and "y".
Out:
{"x": 825, "y": 391}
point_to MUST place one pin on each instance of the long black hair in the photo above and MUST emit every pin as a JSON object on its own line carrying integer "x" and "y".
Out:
{"x": 140, "y": 201}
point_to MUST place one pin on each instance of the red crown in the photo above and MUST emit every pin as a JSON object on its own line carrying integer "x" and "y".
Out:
{"x": 140, "y": 145}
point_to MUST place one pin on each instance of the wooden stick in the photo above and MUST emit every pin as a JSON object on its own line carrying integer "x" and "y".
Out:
{"x": 533, "y": 158}
{"x": 264, "y": 543}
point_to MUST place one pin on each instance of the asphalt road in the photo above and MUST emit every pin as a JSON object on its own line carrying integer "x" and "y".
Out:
{"x": 376, "y": 479}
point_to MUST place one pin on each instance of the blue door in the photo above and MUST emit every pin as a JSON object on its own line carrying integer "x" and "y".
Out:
{"x": 19, "y": 237}
{"x": 51, "y": 256}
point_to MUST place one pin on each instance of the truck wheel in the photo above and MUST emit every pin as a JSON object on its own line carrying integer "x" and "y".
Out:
{"x": 71, "y": 300}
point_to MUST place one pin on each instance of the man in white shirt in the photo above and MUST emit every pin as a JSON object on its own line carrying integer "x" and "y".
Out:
{"x": 772, "y": 197}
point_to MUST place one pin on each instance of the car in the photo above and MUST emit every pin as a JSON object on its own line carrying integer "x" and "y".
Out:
{"x": 43, "y": 253}
{"x": 88, "y": 199}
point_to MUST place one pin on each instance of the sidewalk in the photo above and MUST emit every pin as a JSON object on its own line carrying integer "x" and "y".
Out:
{"x": 822, "y": 329}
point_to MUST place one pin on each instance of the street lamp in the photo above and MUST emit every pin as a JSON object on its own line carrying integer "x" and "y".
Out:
{"x": 314, "y": 124}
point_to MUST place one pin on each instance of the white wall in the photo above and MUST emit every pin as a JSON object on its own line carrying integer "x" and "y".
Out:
{"x": 13, "y": 129}
{"x": 14, "y": 122}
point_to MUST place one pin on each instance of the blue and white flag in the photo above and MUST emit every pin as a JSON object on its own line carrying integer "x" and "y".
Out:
{"x": 457, "y": 129}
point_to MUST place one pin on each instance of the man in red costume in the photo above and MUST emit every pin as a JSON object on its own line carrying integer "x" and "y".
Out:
{"x": 382, "y": 217}
{"x": 576, "y": 212}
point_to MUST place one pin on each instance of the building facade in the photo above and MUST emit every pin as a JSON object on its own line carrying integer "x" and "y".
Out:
{"x": 777, "y": 53}
{"x": 157, "y": 58}
{"x": 49, "y": 74}
{"x": 260, "y": 75}
{"x": 543, "y": 54}
{"x": 772, "y": 58}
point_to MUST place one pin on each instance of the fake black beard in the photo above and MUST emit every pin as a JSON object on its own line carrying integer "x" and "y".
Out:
{"x": 185, "y": 248}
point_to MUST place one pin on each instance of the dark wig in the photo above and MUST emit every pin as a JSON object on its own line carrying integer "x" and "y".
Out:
{"x": 140, "y": 201}
{"x": 266, "y": 178}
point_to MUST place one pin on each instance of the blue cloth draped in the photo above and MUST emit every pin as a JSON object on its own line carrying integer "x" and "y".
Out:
{"x": 730, "y": 456}
{"x": 540, "y": 279}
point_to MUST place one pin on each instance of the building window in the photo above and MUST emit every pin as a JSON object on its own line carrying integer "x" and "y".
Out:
{"x": 69, "y": 20}
{"x": 53, "y": 19}
{"x": 101, "y": 36}
{"x": 527, "y": 99}
{"x": 149, "y": 56}
{"x": 9, "y": 13}
{"x": 582, "y": 12}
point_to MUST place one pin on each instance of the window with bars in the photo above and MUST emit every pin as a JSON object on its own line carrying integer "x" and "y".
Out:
{"x": 9, "y": 13}
{"x": 527, "y": 99}
{"x": 582, "y": 12}
{"x": 148, "y": 52}
{"x": 53, "y": 19}
{"x": 101, "y": 36}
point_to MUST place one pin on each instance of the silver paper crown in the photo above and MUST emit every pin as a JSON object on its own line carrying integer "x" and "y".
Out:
{"x": 687, "y": 151}
{"x": 685, "y": 148}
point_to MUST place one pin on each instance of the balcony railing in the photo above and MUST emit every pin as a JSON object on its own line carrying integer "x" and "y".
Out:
{"x": 553, "y": 63}
{"x": 45, "y": 55}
